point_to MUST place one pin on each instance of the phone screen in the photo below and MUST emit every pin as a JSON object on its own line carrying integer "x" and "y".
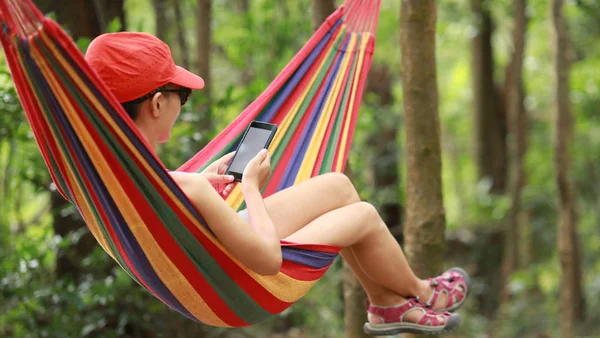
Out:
{"x": 253, "y": 143}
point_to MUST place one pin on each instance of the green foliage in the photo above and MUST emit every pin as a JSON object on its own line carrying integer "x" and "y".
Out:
{"x": 249, "y": 49}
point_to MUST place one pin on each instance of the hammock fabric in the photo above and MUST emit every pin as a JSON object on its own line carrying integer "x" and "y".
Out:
{"x": 140, "y": 217}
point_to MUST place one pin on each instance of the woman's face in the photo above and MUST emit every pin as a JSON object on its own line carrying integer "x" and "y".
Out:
{"x": 158, "y": 114}
{"x": 169, "y": 112}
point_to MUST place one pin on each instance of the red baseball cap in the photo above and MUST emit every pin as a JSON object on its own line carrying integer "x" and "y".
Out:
{"x": 134, "y": 64}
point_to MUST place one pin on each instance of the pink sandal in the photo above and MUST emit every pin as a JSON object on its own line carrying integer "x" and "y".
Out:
{"x": 447, "y": 284}
{"x": 392, "y": 320}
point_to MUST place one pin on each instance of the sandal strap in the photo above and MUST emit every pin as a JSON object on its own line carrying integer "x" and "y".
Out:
{"x": 395, "y": 314}
{"x": 447, "y": 283}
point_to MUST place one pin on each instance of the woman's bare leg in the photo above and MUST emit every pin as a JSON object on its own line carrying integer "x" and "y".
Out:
{"x": 296, "y": 207}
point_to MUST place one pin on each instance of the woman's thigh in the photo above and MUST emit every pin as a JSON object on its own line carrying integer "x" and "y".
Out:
{"x": 293, "y": 208}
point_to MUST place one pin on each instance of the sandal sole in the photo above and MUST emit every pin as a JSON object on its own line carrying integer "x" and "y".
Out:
{"x": 467, "y": 279}
{"x": 397, "y": 328}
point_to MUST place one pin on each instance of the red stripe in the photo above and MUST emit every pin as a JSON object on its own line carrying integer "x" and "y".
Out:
{"x": 255, "y": 107}
{"x": 253, "y": 288}
{"x": 159, "y": 232}
{"x": 290, "y": 148}
{"x": 32, "y": 111}
{"x": 93, "y": 195}
{"x": 302, "y": 272}
{"x": 361, "y": 85}
{"x": 331, "y": 124}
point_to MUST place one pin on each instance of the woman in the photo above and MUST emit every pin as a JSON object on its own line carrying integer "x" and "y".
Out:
{"x": 139, "y": 70}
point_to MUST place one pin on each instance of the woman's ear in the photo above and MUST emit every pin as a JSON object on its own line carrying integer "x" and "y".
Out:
{"x": 155, "y": 104}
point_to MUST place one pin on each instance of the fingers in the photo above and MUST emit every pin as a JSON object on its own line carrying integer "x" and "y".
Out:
{"x": 258, "y": 159}
{"x": 228, "y": 189}
{"x": 228, "y": 157}
{"x": 262, "y": 155}
{"x": 216, "y": 178}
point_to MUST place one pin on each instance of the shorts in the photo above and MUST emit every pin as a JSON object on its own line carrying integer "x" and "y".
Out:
{"x": 244, "y": 214}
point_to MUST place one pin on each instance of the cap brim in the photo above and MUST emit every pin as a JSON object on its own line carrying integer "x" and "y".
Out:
{"x": 187, "y": 79}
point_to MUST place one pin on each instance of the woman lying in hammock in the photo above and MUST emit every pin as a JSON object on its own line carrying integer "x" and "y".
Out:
{"x": 326, "y": 209}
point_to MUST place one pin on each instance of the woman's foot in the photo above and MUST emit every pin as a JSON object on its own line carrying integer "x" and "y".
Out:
{"x": 447, "y": 292}
{"x": 409, "y": 317}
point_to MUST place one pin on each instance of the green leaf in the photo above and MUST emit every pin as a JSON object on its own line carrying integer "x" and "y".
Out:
{"x": 114, "y": 26}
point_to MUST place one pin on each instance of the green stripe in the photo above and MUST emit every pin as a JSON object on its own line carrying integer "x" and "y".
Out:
{"x": 305, "y": 104}
{"x": 238, "y": 300}
{"x": 341, "y": 114}
{"x": 72, "y": 165}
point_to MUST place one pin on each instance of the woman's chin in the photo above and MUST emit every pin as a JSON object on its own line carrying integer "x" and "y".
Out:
{"x": 164, "y": 139}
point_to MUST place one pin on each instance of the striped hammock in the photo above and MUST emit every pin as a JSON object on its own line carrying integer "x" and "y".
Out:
{"x": 140, "y": 217}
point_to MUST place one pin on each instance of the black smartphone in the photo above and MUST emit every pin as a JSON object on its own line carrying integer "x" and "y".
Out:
{"x": 257, "y": 136}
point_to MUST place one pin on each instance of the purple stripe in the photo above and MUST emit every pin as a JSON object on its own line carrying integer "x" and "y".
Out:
{"x": 137, "y": 143}
{"x": 292, "y": 83}
{"x": 314, "y": 259}
{"x": 126, "y": 238}
{"x": 296, "y": 161}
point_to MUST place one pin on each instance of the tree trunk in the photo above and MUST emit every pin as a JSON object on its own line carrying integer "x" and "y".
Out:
{"x": 514, "y": 95}
{"x": 248, "y": 75}
{"x": 354, "y": 308}
{"x": 181, "y": 41}
{"x": 384, "y": 146}
{"x": 84, "y": 18}
{"x": 490, "y": 124}
{"x": 425, "y": 218}
{"x": 160, "y": 22}
{"x": 571, "y": 302}
{"x": 321, "y": 9}
{"x": 204, "y": 18}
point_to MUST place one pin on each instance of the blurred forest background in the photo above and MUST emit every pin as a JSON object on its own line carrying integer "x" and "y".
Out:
{"x": 519, "y": 98}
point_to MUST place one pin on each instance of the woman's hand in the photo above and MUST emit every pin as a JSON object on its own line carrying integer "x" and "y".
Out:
{"x": 215, "y": 174}
{"x": 257, "y": 171}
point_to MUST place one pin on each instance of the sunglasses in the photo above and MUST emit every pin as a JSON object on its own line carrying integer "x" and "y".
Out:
{"x": 184, "y": 94}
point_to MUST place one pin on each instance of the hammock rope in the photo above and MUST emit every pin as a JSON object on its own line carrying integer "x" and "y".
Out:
{"x": 139, "y": 216}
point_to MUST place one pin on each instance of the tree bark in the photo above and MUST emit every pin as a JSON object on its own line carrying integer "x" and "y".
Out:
{"x": 321, "y": 9}
{"x": 204, "y": 18}
{"x": 571, "y": 303}
{"x": 514, "y": 95}
{"x": 84, "y": 18}
{"x": 181, "y": 41}
{"x": 354, "y": 308}
{"x": 425, "y": 218}
{"x": 385, "y": 167}
{"x": 243, "y": 8}
{"x": 490, "y": 124}
{"x": 160, "y": 19}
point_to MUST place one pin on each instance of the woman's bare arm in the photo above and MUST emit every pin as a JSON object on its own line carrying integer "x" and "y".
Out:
{"x": 256, "y": 245}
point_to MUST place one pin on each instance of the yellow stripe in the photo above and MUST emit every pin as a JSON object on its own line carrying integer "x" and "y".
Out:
{"x": 87, "y": 215}
{"x": 271, "y": 283}
{"x": 101, "y": 111}
{"x": 165, "y": 269}
{"x": 235, "y": 199}
{"x": 361, "y": 54}
{"x": 318, "y": 137}
{"x": 285, "y": 287}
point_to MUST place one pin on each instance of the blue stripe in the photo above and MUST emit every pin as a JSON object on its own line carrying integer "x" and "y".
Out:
{"x": 314, "y": 259}
{"x": 298, "y": 75}
{"x": 296, "y": 161}
{"x": 126, "y": 238}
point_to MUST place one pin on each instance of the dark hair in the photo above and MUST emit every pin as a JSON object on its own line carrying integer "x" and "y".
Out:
{"x": 132, "y": 108}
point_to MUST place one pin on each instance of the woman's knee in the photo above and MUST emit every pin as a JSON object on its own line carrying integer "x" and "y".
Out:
{"x": 342, "y": 186}
{"x": 372, "y": 220}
